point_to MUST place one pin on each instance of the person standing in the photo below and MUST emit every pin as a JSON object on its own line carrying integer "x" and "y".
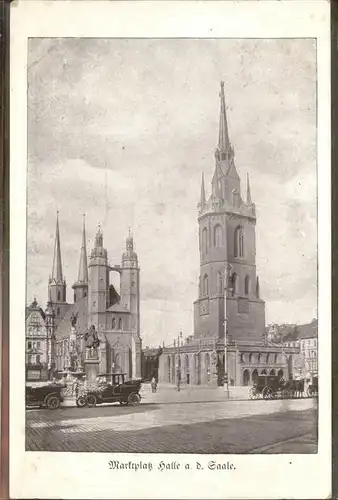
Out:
{"x": 153, "y": 385}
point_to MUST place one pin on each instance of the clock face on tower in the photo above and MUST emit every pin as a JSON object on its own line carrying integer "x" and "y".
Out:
{"x": 204, "y": 307}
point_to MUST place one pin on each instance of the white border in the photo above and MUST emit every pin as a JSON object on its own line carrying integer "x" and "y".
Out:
{"x": 86, "y": 475}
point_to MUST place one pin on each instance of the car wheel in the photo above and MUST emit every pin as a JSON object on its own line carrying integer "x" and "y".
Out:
{"x": 91, "y": 400}
{"x": 81, "y": 401}
{"x": 53, "y": 403}
{"x": 134, "y": 399}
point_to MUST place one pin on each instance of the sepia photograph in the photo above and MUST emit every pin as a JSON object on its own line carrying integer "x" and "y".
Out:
{"x": 171, "y": 276}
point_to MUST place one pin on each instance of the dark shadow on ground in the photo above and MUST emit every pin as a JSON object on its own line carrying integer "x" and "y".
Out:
{"x": 224, "y": 436}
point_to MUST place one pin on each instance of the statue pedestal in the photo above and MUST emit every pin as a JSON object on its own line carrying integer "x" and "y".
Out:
{"x": 91, "y": 369}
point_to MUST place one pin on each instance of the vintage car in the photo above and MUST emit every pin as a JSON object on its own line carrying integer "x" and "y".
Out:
{"x": 110, "y": 388}
{"x": 45, "y": 396}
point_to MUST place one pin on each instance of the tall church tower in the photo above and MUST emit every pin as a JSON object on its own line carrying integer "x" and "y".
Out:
{"x": 227, "y": 239}
{"x": 57, "y": 283}
{"x": 130, "y": 284}
{"x": 98, "y": 284}
{"x": 80, "y": 287}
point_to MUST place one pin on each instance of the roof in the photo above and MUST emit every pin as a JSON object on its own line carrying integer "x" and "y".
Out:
{"x": 80, "y": 307}
{"x": 118, "y": 308}
{"x": 308, "y": 331}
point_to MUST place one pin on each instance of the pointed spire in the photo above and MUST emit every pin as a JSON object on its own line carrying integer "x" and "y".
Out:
{"x": 129, "y": 241}
{"x": 83, "y": 266}
{"x": 99, "y": 237}
{"x": 248, "y": 192}
{"x": 57, "y": 264}
{"x": 202, "y": 201}
{"x": 223, "y": 137}
{"x": 215, "y": 182}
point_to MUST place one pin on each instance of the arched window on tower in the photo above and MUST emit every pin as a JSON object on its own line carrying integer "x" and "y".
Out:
{"x": 247, "y": 285}
{"x": 218, "y": 236}
{"x": 59, "y": 296}
{"x": 239, "y": 242}
{"x": 204, "y": 241}
{"x": 234, "y": 284}
{"x": 205, "y": 285}
{"x": 113, "y": 324}
{"x": 120, "y": 324}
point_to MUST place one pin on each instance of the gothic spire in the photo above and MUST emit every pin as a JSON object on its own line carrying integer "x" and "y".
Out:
{"x": 83, "y": 266}
{"x": 216, "y": 181}
{"x": 99, "y": 237}
{"x": 202, "y": 201}
{"x": 248, "y": 192}
{"x": 223, "y": 137}
{"x": 57, "y": 264}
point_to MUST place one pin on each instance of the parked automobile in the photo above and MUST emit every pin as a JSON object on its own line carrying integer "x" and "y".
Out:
{"x": 46, "y": 396}
{"x": 110, "y": 388}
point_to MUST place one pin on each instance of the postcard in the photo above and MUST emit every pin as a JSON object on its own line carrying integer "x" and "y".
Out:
{"x": 170, "y": 250}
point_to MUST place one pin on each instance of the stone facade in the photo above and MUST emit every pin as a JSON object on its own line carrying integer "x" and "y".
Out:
{"x": 113, "y": 314}
{"x": 229, "y": 312}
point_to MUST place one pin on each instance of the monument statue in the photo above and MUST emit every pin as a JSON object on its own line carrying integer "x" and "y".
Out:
{"x": 73, "y": 319}
{"x": 92, "y": 341}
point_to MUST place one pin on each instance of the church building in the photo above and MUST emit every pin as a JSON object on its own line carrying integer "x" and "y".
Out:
{"x": 229, "y": 313}
{"x": 114, "y": 314}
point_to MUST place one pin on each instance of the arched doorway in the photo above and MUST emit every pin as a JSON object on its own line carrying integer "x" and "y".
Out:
{"x": 187, "y": 369}
{"x": 272, "y": 372}
{"x": 169, "y": 369}
{"x": 207, "y": 368}
{"x": 198, "y": 369}
{"x": 290, "y": 368}
{"x": 254, "y": 376}
{"x": 246, "y": 377}
{"x": 280, "y": 374}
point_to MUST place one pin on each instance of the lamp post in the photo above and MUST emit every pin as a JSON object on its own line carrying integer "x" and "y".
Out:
{"x": 227, "y": 271}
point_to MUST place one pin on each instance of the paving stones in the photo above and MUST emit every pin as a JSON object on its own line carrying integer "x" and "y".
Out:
{"x": 217, "y": 427}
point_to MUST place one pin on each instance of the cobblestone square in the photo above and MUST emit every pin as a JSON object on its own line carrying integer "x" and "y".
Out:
{"x": 282, "y": 426}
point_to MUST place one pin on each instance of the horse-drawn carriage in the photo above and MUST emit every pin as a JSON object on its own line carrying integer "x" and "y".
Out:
{"x": 312, "y": 389}
{"x": 272, "y": 386}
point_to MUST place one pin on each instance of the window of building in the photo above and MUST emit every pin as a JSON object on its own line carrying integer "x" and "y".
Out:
{"x": 205, "y": 285}
{"x": 204, "y": 241}
{"x": 37, "y": 359}
{"x": 218, "y": 236}
{"x": 233, "y": 285}
{"x": 38, "y": 345}
{"x": 247, "y": 285}
{"x": 113, "y": 324}
{"x": 58, "y": 311}
{"x": 59, "y": 296}
{"x": 239, "y": 242}
{"x": 120, "y": 324}
{"x": 29, "y": 345}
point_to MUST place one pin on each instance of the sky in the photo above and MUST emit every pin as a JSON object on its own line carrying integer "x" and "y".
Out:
{"x": 121, "y": 130}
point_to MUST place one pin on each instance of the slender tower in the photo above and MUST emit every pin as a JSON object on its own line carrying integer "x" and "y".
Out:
{"x": 80, "y": 287}
{"x": 57, "y": 283}
{"x": 98, "y": 284}
{"x": 130, "y": 283}
{"x": 227, "y": 241}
